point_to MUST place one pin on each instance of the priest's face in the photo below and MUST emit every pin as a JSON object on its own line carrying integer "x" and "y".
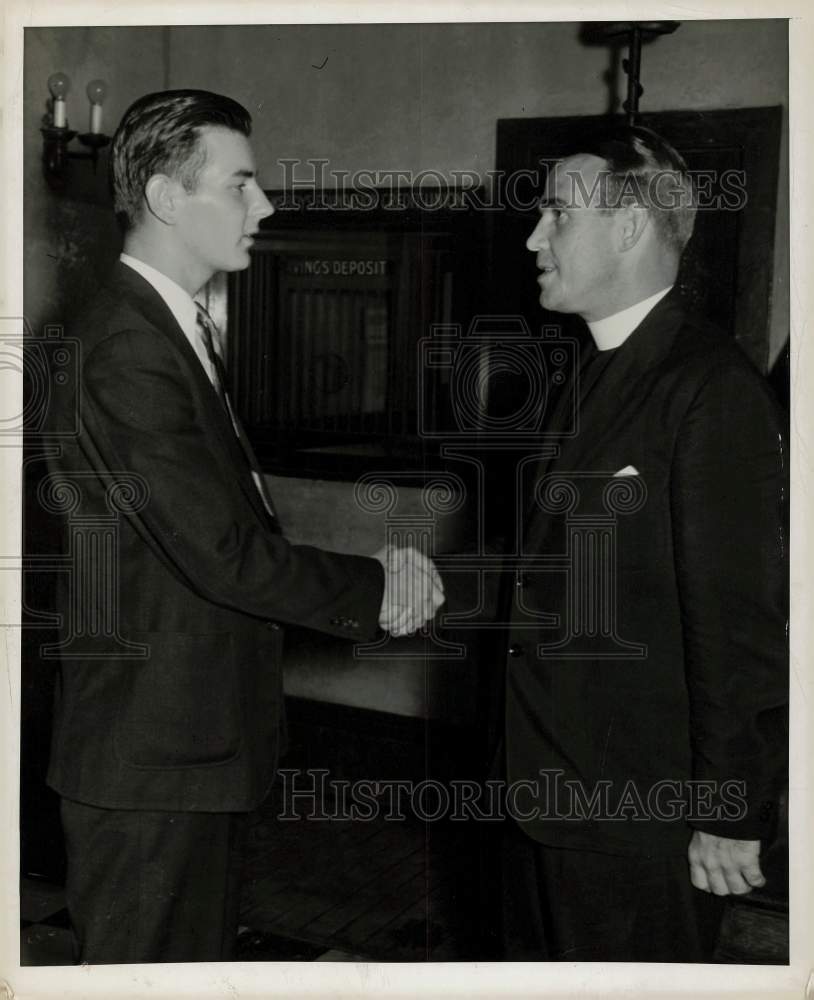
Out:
{"x": 575, "y": 240}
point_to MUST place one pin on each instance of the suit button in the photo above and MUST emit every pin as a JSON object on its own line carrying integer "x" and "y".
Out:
{"x": 515, "y": 649}
{"x": 273, "y": 626}
{"x": 336, "y": 621}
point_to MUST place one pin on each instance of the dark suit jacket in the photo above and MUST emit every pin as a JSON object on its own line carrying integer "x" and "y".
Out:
{"x": 180, "y": 706}
{"x": 672, "y": 666}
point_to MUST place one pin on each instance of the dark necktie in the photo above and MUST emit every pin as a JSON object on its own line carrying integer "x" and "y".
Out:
{"x": 209, "y": 333}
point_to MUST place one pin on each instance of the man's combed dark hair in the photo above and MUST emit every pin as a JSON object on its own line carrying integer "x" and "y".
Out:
{"x": 644, "y": 169}
{"x": 159, "y": 134}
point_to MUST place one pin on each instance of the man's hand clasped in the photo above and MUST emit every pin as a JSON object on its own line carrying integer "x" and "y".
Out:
{"x": 413, "y": 590}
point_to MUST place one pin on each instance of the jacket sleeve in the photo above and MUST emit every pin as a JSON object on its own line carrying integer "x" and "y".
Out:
{"x": 728, "y": 490}
{"x": 140, "y": 414}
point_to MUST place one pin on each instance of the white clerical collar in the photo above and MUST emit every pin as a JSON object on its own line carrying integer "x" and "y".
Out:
{"x": 179, "y": 302}
{"x": 614, "y": 330}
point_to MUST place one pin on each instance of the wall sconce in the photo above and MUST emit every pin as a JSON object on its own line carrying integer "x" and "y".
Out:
{"x": 57, "y": 135}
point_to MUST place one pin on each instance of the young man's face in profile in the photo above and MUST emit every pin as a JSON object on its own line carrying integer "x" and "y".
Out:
{"x": 218, "y": 219}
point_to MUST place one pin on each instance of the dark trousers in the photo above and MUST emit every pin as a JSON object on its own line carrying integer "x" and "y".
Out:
{"x": 152, "y": 886}
{"x": 584, "y": 906}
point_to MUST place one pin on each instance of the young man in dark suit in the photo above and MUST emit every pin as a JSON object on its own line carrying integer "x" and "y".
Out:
{"x": 647, "y": 670}
{"x": 167, "y": 729}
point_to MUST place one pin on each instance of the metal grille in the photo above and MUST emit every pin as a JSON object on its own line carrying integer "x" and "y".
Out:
{"x": 324, "y": 334}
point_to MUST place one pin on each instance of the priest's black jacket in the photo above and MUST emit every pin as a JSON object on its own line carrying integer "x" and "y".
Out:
{"x": 647, "y": 666}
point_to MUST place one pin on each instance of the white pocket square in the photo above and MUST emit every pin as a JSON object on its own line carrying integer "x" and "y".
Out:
{"x": 629, "y": 470}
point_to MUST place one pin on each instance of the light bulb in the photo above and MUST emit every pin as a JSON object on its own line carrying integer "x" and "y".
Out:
{"x": 59, "y": 85}
{"x": 96, "y": 91}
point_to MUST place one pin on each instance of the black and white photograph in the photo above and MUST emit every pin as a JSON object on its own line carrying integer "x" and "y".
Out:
{"x": 405, "y": 523}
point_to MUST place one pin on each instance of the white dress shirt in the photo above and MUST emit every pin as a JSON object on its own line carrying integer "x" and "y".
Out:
{"x": 612, "y": 331}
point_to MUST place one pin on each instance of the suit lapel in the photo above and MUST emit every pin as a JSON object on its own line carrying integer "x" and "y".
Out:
{"x": 127, "y": 284}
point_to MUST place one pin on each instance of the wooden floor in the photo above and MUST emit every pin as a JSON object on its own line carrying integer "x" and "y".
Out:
{"x": 380, "y": 891}
{"x": 335, "y": 890}
{"x": 397, "y": 890}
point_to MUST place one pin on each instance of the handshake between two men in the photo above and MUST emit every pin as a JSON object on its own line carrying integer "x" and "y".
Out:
{"x": 413, "y": 590}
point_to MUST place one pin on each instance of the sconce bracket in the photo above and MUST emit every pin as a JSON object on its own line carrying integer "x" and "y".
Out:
{"x": 56, "y": 154}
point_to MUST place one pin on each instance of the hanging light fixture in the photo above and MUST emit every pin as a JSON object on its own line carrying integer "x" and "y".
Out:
{"x": 637, "y": 33}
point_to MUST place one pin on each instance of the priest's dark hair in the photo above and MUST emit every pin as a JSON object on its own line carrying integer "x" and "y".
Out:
{"x": 645, "y": 170}
{"x": 160, "y": 134}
